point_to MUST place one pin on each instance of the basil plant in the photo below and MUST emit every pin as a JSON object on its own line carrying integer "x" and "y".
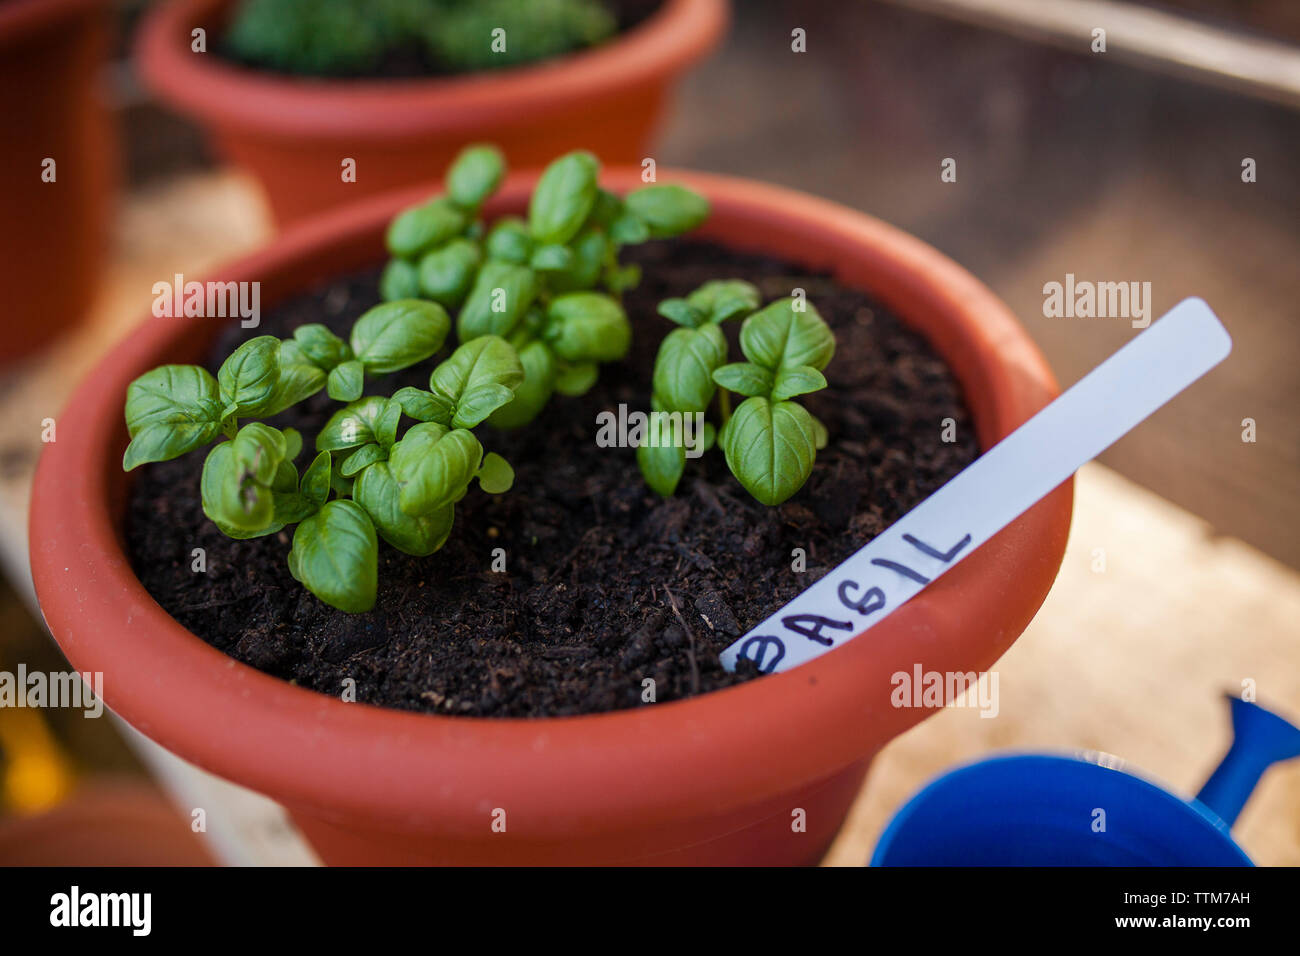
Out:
{"x": 536, "y": 305}
{"x": 365, "y": 482}
{"x": 770, "y": 441}
{"x": 551, "y": 283}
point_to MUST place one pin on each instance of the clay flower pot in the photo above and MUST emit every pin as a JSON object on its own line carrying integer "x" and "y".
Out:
{"x": 52, "y": 54}
{"x": 713, "y": 779}
{"x": 293, "y": 134}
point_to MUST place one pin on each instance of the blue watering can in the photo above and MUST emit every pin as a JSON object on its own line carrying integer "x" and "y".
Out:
{"x": 1044, "y": 810}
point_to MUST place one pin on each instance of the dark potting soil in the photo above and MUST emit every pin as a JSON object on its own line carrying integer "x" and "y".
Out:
{"x": 605, "y": 583}
{"x": 406, "y": 62}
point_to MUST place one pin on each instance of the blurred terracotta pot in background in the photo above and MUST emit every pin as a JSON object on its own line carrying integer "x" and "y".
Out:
{"x": 55, "y": 215}
{"x": 293, "y": 134}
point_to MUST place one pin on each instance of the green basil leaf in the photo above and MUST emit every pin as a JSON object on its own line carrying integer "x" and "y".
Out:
{"x": 618, "y": 279}
{"x": 170, "y": 410}
{"x": 315, "y": 485}
{"x": 237, "y": 504}
{"x": 432, "y": 466}
{"x": 779, "y": 337}
{"x": 564, "y": 196}
{"x": 589, "y": 248}
{"x": 661, "y": 466}
{"x": 346, "y": 382}
{"x": 292, "y": 445}
{"x": 501, "y": 295}
{"x": 336, "y": 556}
{"x": 667, "y": 209}
{"x": 510, "y": 241}
{"x": 353, "y": 425}
{"x": 396, "y": 335}
{"x": 744, "y": 378}
{"x": 605, "y": 209}
{"x": 770, "y": 448}
{"x": 820, "y": 435}
{"x": 532, "y": 394}
{"x": 172, "y": 393}
{"x": 683, "y": 372}
{"x": 417, "y": 230}
{"x": 249, "y": 376}
{"x": 361, "y": 459}
{"x": 551, "y": 258}
{"x": 722, "y": 299}
{"x": 796, "y": 380}
{"x": 486, "y": 360}
{"x": 588, "y": 327}
{"x": 424, "y": 406}
{"x": 576, "y": 378}
{"x": 682, "y": 312}
{"x": 399, "y": 280}
{"x": 299, "y": 379}
{"x": 290, "y": 508}
{"x": 475, "y": 175}
{"x": 495, "y": 476}
{"x": 321, "y": 346}
{"x": 628, "y": 230}
{"x": 377, "y": 492}
{"x": 386, "y": 424}
{"x": 258, "y": 450}
{"x": 480, "y": 402}
{"x": 447, "y": 273}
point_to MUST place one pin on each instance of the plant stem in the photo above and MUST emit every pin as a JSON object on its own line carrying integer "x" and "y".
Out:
{"x": 724, "y": 404}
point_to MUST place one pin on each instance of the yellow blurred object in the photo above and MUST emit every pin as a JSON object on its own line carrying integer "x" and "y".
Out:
{"x": 35, "y": 773}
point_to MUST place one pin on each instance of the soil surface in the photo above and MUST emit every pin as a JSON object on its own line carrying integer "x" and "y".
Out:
{"x": 605, "y": 583}
{"x": 408, "y": 62}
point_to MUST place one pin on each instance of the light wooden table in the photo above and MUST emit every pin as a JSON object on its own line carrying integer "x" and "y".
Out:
{"x": 1131, "y": 660}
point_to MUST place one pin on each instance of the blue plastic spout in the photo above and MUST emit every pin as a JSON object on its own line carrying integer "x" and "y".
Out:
{"x": 1260, "y": 739}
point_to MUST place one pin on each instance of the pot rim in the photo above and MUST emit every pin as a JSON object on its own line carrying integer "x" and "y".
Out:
{"x": 724, "y": 750}
{"x": 675, "y": 35}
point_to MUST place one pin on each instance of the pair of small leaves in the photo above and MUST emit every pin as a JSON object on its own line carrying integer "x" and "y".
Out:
{"x": 714, "y": 302}
{"x": 746, "y": 378}
{"x": 473, "y": 382}
{"x": 171, "y": 410}
{"x": 688, "y": 357}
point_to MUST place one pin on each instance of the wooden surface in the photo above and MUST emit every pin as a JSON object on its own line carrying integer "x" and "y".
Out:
{"x": 1131, "y": 660}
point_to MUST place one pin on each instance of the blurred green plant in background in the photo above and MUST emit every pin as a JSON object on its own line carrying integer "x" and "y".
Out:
{"x": 354, "y": 37}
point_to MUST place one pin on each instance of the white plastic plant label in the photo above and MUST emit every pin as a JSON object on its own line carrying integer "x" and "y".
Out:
{"x": 992, "y": 491}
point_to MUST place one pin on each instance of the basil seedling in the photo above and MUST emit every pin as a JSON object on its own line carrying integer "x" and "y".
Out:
{"x": 400, "y": 489}
{"x": 770, "y": 442}
{"x": 549, "y": 284}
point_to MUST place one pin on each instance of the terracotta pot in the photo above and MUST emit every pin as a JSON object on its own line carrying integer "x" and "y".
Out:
{"x": 293, "y": 134}
{"x": 713, "y": 779}
{"x": 52, "y": 54}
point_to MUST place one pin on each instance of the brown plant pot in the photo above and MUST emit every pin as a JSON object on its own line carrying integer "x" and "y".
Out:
{"x": 293, "y": 134}
{"x": 52, "y": 54}
{"x": 712, "y": 779}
